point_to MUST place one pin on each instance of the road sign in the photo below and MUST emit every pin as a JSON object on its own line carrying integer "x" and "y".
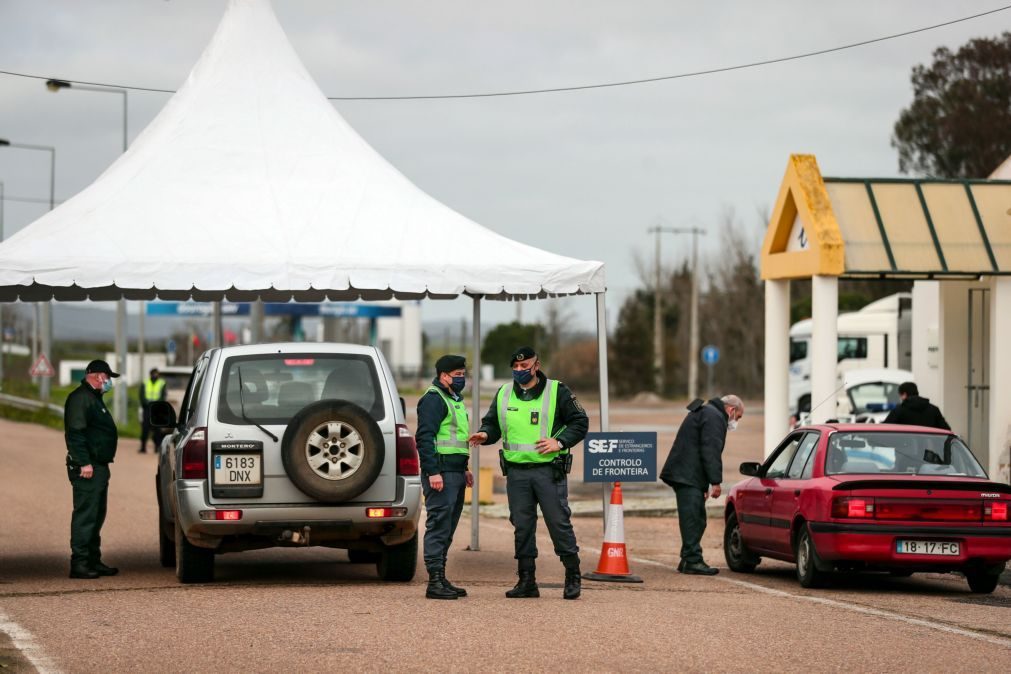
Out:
{"x": 619, "y": 457}
{"x": 710, "y": 355}
{"x": 170, "y": 346}
{"x": 42, "y": 367}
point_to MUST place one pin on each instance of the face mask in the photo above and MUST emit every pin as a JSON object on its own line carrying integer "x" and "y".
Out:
{"x": 732, "y": 425}
{"x": 523, "y": 377}
{"x": 106, "y": 386}
{"x": 458, "y": 384}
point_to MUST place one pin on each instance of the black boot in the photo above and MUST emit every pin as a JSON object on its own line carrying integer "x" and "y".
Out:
{"x": 526, "y": 586}
{"x": 460, "y": 592}
{"x": 104, "y": 570}
{"x": 82, "y": 570}
{"x": 573, "y": 579}
{"x": 437, "y": 586}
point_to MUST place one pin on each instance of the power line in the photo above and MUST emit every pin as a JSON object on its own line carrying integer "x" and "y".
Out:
{"x": 583, "y": 87}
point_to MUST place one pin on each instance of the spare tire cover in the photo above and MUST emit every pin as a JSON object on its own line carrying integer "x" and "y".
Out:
{"x": 333, "y": 450}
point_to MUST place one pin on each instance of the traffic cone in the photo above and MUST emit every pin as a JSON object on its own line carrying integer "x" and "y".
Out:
{"x": 613, "y": 566}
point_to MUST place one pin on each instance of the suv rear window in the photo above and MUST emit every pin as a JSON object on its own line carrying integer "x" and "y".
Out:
{"x": 276, "y": 386}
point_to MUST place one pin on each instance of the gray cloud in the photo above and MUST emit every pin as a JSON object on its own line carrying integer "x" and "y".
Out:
{"x": 582, "y": 173}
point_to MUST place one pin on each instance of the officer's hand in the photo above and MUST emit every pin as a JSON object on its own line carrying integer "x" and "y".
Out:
{"x": 716, "y": 491}
{"x": 436, "y": 482}
{"x": 478, "y": 438}
{"x": 87, "y": 471}
{"x": 470, "y": 478}
{"x": 546, "y": 446}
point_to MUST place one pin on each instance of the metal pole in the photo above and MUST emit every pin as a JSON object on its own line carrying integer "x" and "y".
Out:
{"x": 693, "y": 341}
{"x": 119, "y": 396}
{"x": 605, "y": 423}
{"x": 475, "y": 453}
{"x": 657, "y": 322}
{"x": 256, "y": 319}
{"x": 218, "y": 338}
{"x": 45, "y": 385}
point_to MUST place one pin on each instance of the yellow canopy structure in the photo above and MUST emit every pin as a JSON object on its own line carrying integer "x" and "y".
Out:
{"x": 886, "y": 227}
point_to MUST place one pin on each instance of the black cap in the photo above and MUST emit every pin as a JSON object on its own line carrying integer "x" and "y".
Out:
{"x": 100, "y": 366}
{"x": 449, "y": 362}
{"x": 153, "y": 371}
{"x": 522, "y": 353}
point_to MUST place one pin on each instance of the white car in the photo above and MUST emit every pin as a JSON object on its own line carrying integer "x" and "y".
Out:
{"x": 866, "y": 396}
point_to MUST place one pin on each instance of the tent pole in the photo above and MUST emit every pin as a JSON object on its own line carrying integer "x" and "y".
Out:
{"x": 605, "y": 424}
{"x": 218, "y": 332}
{"x": 475, "y": 453}
{"x": 119, "y": 394}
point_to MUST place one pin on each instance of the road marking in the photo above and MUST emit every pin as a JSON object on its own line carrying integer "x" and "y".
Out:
{"x": 836, "y": 603}
{"x": 25, "y": 643}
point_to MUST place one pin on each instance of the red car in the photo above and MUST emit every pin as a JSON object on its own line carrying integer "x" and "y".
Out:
{"x": 850, "y": 497}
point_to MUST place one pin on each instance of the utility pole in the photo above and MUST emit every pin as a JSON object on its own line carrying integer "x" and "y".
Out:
{"x": 693, "y": 334}
{"x": 657, "y": 310}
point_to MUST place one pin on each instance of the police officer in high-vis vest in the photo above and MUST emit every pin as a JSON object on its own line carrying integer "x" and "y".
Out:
{"x": 538, "y": 420}
{"x": 151, "y": 389}
{"x": 443, "y": 429}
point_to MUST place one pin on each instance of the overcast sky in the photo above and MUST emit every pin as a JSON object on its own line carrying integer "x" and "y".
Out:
{"x": 582, "y": 174}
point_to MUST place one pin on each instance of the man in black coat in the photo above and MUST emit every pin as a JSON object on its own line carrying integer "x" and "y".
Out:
{"x": 695, "y": 464}
{"x": 916, "y": 411}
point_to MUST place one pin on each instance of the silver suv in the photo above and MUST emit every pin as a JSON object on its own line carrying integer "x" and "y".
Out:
{"x": 288, "y": 445}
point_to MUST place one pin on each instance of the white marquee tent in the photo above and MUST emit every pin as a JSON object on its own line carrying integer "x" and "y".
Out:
{"x": 276, "y": 198}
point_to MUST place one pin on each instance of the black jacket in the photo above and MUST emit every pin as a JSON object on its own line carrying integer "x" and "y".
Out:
{"x": 89, "y": 429}
{"x": 695, "y": 458}
{"x": 917, "y": 411}
{"x": 431, "y": 411}
{"x": 568, "y": 413}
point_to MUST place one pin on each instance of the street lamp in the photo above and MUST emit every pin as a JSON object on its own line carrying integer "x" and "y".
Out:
{"x": 693, "y": 339}
{"x": 45, "y": 309}
{"x": 120, "y": 392}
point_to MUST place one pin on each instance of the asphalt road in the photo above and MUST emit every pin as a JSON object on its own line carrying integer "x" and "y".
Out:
{"x": 310, "y": 610}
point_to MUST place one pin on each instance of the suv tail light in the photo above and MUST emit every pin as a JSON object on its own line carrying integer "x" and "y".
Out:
{"x": 195, "y": 455}
{"x": 853, "y": 507}
{"x": 995, "y": 511}
{"x": 408, "y": 462}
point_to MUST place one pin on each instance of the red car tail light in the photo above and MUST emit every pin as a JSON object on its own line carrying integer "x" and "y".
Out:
{"x": 928, "y": 511}
{"x": 195, "y": 456}
{"x": 995, "y": 512}
{"x": 853, "y": 507}
{"x": 408, "y": 462}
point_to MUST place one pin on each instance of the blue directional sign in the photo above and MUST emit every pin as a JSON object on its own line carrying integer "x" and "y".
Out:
{"x": 342, "y": 309}
{"x": 710, "y": 355}
{"x": 619, "y": 457}
{"x": 170, "y": 346}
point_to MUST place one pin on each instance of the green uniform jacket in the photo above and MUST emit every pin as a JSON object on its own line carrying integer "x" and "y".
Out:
{"x": 89, "y": 429}
{"x": 568, "y": 413}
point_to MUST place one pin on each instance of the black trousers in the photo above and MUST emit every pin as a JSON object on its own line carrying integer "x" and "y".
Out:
{"x": 444, "y": 509}
{"x": 90, "y": 501}
{"x": 691, "y": 520}
{"x": 146, "y": 431}
{"x": 528, "y": 488}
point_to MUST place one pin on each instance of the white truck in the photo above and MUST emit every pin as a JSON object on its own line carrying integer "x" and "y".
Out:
{"x": 877, "y": 336}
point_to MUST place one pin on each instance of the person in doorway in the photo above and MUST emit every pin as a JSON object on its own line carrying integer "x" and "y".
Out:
{"x": 538, "y": 420}
{"x": 694, "y": 470}
{"x": 915, "y": 410}
{"x": 91, "y": 439}
{"x": 443, "y": 429}
{"x": 151, "y": 389}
